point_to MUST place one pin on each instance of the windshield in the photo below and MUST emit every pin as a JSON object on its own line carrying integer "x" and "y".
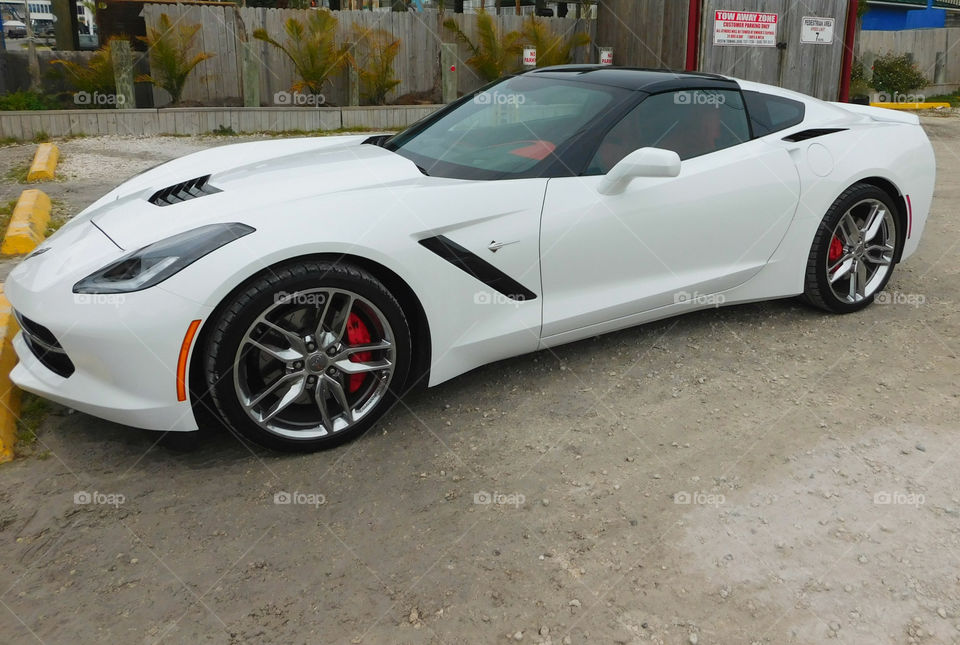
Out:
{"x": 506, "y": 130}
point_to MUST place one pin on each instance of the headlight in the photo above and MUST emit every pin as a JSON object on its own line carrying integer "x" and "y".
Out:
{"x": 156, "y": 262}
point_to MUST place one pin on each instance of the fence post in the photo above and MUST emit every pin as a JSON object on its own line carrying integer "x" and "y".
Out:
{"x": 122, "y": 59}
{"x": 940, "y": 69}
{"x": 353, "y": 78}
{"x": 448, "y": 72}
{"x": 249, "y": 64}
{"x": 251, "y": 75}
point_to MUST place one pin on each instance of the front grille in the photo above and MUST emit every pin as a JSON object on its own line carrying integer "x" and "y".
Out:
{"x": 45, "y": 346}
{"x": 183, "y": 191}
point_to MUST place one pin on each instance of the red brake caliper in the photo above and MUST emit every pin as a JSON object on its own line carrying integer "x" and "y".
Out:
{"x": 836, "y": 250}
{"x": 357, "y": 334}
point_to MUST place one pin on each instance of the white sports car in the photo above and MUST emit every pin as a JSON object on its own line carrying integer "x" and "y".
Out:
{"x": 298, "y": 287}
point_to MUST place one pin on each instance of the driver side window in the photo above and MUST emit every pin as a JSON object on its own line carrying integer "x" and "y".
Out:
{"x": 689, "y": 122}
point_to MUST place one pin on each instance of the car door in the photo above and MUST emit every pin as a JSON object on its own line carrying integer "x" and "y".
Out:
{"x": 605, "y": 258}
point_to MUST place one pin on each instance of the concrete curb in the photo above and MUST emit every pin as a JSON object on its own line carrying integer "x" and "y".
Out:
{"x": 44, "y": 162}
{"x": 9, "y": 394}
{"x": 23, "y": 126}
{"x": 28, "y": 224}
{"x": 911, "y": 106}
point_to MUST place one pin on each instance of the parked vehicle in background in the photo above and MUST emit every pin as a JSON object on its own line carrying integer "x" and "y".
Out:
{"x": 14, "y": 29}
{"x": 43, "y": 28}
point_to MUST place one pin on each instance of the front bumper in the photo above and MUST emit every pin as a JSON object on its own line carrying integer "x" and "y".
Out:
{"x": 124, "y": 347}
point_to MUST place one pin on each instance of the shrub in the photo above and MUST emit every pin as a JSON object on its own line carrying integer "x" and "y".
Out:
{"x": 551, "y": 48}
{"x": 896, "y": 74}
{"x": 312, "y": 48}
{"x": 376, "y": 73}
{"x": 27, "y": 100}
{"x": 171, "y": 60}
{"x": 493, "y": 55}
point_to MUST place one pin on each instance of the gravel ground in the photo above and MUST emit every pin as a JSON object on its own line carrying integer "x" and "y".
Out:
{"x": 756, "y": 474}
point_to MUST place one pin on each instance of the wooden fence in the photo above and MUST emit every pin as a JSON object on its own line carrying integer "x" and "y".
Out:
{"x": 644, "y": 33}
{"x": 935, "y": 51}
{"x": 223, "y": 29}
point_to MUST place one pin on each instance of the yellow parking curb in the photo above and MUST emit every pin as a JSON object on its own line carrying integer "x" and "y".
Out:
{"x": 44, "y": 162}
{"x": 9, "y": 394}
{"x": 28, "y": 223}
{"x": 911, "y": 106}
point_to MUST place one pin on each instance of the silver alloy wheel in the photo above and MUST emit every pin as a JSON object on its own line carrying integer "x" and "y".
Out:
{"x": 293, "y": 369}
{"x": 865, "y": 239}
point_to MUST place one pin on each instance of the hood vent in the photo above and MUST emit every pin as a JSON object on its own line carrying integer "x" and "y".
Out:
{"x": 183, "y": 191}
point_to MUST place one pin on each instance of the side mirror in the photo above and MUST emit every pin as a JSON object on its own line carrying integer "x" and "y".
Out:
{"x": 645, "y": 162}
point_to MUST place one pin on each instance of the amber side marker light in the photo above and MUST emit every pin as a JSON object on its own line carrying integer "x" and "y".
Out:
{"x": 182, "y": 360}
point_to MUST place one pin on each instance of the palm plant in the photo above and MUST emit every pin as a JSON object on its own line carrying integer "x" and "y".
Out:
{"x": 377, "y": 74}
{"x": 492, "y": 56}
{"x": 552, "y": 49}
{"x": 171, "y": 59}
{"x": 312, "y": 48}
{"x": 93, "y": 76}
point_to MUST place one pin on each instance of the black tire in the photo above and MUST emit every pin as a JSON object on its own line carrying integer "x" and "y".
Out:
{"x": 817, "y": 289}
{"x": 243, "y": 307}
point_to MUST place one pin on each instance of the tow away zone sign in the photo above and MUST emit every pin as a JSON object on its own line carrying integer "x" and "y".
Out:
{"x": 745, "y": 28}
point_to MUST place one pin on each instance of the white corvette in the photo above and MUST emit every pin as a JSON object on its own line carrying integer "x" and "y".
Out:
{"x": 298, "y": 287}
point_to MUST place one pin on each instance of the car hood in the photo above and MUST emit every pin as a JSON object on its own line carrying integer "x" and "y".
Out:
{"x": 247, "y": 183}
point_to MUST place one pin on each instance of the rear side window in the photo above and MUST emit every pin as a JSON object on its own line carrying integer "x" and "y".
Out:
{"x": 769, "y": 114}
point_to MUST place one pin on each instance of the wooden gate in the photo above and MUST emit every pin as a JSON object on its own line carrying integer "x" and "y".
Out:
{"x": 805, "y": 67}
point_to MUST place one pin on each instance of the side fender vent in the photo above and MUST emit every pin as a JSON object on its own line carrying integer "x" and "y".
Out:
{"x": 183, "y": 191}
{"x": 803, "y": 135}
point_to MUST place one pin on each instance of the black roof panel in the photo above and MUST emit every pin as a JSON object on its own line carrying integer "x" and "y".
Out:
{"x": 635, "y": 78}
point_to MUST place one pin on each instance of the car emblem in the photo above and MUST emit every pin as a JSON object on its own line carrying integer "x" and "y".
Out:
{"x": 496, "y": 246}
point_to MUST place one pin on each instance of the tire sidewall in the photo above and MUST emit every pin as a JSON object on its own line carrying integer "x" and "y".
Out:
{"x": 243, "y": 309}
{"x": 821, "y": 245}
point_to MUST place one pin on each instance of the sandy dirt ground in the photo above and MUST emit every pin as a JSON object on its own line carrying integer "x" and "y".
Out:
{"x": 756, "y": 474}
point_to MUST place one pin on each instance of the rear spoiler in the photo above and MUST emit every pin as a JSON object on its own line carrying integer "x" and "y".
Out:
{"x": 880, "y": 114}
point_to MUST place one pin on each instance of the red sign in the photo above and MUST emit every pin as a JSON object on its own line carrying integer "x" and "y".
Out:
{"x": 747, "y": 28}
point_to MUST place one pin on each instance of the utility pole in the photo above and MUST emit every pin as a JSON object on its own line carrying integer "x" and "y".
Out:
{"x": 519, "y": 12}
{"x": 32, "y": 60}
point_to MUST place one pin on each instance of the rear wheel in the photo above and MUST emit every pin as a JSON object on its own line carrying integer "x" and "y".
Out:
{"x": 308, "y": 355}
{"x": 852, "y": 257}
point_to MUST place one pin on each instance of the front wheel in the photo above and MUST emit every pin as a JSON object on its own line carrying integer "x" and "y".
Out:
{"x": 853, "y": 253}
{"x": 308, "y": 355}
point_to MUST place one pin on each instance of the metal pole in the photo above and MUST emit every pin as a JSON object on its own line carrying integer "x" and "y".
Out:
{"x": 693, "y": 36}
{"x": 32, "y": 59}
{"x": 848, "y": 52}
